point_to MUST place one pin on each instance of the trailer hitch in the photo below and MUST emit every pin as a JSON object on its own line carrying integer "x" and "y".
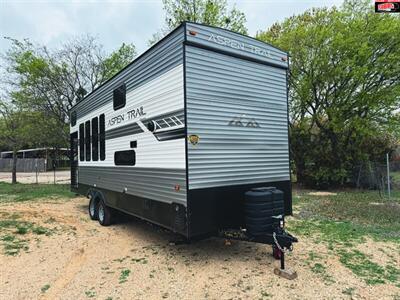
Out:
{"x": 283, "y": 241}
{"x": 277, "y": 237}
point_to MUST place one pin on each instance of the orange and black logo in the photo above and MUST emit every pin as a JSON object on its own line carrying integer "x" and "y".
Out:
{"x": 194, "y": 139}
{"x": 387, "y": 6}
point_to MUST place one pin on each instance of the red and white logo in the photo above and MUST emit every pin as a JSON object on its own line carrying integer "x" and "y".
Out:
{"x": 386, "y": 6}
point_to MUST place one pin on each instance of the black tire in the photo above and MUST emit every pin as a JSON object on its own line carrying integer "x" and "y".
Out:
{"x": 105, "y": 214}
{"x": 93, "y": 209}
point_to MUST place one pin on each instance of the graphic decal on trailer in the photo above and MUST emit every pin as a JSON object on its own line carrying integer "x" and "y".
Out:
{"x": 167, "y": 127}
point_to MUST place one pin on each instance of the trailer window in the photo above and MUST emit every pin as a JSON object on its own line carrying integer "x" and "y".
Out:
{"x": 87, "y": 140}
{"x": 125, "y": 158}
{"x": 102, "y": 138}
{"x": 81, "y": 142}
{"x": 119, "y": 97}
{"x": 95, "y": 139}
{"x": 73, "y": 118}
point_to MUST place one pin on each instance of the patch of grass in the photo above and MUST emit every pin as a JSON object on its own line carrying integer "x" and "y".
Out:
{"x": 41, "y": 230}
{"x": 11, "y": 226}
{"x": 45, "y": 288}
{"x": 23, "y": 192}
{"x": 15, "y": 246}
{"x": 7, "y": 238}
{"x": 265, "y": 295}
{"x": 347, "y": 217}
{"x": 124, "y": 275}
{"x": 90, "y": 294}
{"x": 361, "y": 207}
{"x": 343, "y": 220}
{"x": 364, "y": 268}
{"x": 22, "y": 229}
{"x": 318, "y": 268}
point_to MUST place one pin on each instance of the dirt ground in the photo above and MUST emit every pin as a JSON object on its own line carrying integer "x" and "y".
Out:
{"x": 134, "y": 260}
{"x": 45, "y": 177}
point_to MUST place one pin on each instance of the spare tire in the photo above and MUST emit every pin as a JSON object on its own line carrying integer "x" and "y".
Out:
{"x": 261, "y": 205}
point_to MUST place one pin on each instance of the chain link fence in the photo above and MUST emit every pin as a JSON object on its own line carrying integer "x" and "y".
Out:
{"x": 383, "y": 176}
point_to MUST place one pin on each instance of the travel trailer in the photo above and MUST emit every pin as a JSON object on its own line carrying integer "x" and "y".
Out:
{"x": 183, "y": 132}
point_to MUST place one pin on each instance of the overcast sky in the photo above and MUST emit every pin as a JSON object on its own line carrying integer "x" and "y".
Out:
{"x": 115, "y": 22}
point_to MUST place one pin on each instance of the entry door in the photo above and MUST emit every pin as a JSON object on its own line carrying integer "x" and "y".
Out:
{"x": 74, "y": 159}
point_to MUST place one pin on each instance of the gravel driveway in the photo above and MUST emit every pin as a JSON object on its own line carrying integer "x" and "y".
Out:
{"x": 79, "y": 259}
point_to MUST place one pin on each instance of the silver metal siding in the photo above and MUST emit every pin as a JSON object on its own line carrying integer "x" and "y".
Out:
{"x": 150, "y": 183}
{"x": 158, "y": 60}
{"x": 220, "y": 88}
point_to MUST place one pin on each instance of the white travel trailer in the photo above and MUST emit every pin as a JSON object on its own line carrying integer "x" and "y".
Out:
{"x": 179, "y": 135}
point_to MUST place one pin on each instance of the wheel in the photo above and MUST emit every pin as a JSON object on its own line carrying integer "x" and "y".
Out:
{"x": 276, "y": 253}
{"x": 104, "y": 214}
{"x": 93, "y": 208}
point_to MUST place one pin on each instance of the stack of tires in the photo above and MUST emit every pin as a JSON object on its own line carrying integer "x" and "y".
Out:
{"x": 261, "y": 205}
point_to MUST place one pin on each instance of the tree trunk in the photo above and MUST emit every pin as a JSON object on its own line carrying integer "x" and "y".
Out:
{"x": 14, "y": 167}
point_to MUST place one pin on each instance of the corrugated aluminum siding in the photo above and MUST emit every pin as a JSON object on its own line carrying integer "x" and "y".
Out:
{"x": 150, "y": 183}
{"x": 156, "y": 61}
{"x": 222, "y": 88}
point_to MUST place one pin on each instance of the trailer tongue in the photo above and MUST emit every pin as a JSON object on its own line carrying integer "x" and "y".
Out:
{"x": 265, "y": 224}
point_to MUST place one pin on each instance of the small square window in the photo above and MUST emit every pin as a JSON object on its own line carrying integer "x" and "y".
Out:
{"x": 119, "y": 97}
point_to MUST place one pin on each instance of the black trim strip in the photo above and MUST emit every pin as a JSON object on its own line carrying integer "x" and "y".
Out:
{"x": 177, "y": 113}
{"x": 228, "y": 53}
{"x": 288, "y": 206}
{"x": 186, "y": 126}
{"x": 125, "y": 130}
{"x": 171, "y": 134}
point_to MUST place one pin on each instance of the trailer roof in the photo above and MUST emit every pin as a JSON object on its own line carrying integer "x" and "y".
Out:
{"x": 160, "y": 41}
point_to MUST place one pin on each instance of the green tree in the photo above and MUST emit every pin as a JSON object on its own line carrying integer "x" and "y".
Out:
{"x": 210, "y": 12}
{"x": 52, "y": 81}
{"x": 344, "y": 88}
{"x": 16, "y": 127}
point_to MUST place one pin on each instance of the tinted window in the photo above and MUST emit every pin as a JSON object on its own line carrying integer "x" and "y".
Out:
{"x": 102, "y": 138}
{"x": 81, "y": 142}
{"x": 87, "y": 140}
{"x": 73, "y": 118}
{"x": 125, "y": 158}
{"x": 95, "y": 139}
{"x": 119, "y": 97}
